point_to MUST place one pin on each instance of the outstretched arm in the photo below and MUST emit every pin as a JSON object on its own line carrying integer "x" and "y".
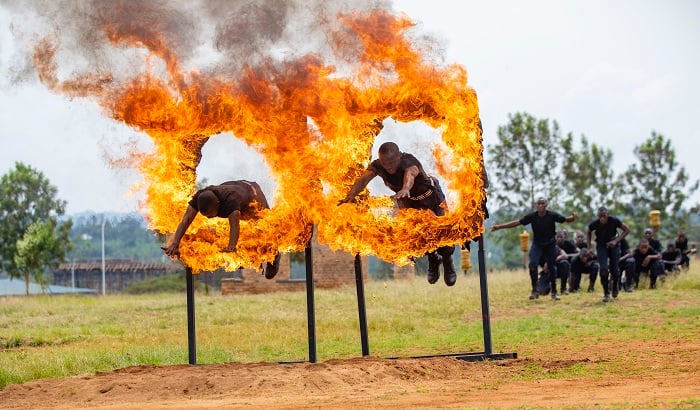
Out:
{"x": 654, "y": 231}
{"x": 506, "y": 225}
{"x": 408, "y": 178}
{"x": 173, "y": 249}
{"x": 358, "y": 186}
{"x": 234, "y": 222}
{"x": 572, "y": 217}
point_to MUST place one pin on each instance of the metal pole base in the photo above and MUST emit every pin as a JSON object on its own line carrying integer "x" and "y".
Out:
{"x": 191, "y": 333}
{"x": 364, "y": 338}
{"x": 468, "y": 357}
{"x": 480, "y": 356}
{"x": 310, "y": 309}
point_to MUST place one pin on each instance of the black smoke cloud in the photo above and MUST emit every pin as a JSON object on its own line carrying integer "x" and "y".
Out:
{"x": 219, "y": 36}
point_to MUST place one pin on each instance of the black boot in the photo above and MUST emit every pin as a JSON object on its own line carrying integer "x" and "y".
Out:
{"x": 271, "y": 269}
{"x": 592, "y": 277}
{"x": 533, "y": 282}
{"x": 449, "y": 269}
{"x": 433, "y": 267}
{"x": 553, "y": 287}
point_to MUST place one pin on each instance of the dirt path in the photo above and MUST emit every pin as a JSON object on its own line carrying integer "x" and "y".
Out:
{"x": 650, "y": 374}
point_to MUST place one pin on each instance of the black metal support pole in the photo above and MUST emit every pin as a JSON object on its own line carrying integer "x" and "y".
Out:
{"x": 486, "y": 316}
{"x": 310, "y": 310}
{"x": 361, "y": 305}
{"x": 487, "y": 354}
{"x": 191, "y": 336}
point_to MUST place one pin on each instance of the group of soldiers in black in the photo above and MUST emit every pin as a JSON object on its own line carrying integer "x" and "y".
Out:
{"x": 553, "y": 256}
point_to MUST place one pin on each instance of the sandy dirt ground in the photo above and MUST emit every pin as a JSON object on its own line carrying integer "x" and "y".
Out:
{"x": 649, "y": 374}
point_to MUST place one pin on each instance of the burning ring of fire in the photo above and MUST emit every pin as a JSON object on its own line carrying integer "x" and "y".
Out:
{"x": 315, "y": 129}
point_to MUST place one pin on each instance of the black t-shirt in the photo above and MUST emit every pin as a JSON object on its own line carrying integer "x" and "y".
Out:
{"x": 232, "y": 195}
{"x": 569, "y": 247}
{"x": 421, "y": 183}
{"x": 579, "y": 265}
{"x": 671, "y": 255}
{"x": 682, "y": 245}
{"x": 605, "y": 232}
{"x": 639, "y": 256}
{"x": 543, "y": 227}
{"x": 655, "y": 243}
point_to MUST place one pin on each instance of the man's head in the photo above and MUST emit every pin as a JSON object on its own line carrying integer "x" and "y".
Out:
{"x": 648, "y": 233}
{"x": 681, "y": 235}
{"x": 644, "y": 246}
{"x": 389, "y": 157}
{"x": 559, "y": 236}
{"x": 603, "y": 214}
{"x": 541, "y": 204}
{"x": 586, "y": 254}
{"x": 578, "y": 237}
{"x": 670, "y": 246}
{"x": 208, "y": 204}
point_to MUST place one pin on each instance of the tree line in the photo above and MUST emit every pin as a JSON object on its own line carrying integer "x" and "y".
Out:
{"x": 531, "y": 158}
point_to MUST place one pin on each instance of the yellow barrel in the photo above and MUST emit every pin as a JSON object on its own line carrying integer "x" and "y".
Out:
{"x": 525, "y": 241}
{"x": 464, "y": 256}
{"x": 655, "y": 218}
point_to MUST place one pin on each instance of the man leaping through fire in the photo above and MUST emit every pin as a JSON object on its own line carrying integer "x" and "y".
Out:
{"x": 415, "y": 189}
{"x": 233, "y": 200}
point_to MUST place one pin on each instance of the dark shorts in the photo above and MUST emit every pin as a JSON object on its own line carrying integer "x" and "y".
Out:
{"x": 434, "y": 201}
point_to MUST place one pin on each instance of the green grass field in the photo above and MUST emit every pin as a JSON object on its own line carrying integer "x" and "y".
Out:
{"x": 59, "y": 336}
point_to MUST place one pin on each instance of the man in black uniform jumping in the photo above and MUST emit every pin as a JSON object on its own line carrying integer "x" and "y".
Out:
{"x": 415, "y": 189}
{"x": 233, "y": 200}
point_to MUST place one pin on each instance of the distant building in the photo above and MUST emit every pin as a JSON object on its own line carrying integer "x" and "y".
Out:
{"x": 119, "y": 273}
{"x": 331, "y": 269}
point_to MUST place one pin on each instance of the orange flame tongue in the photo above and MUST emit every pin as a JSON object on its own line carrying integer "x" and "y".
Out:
{"x": 315, "y": 128}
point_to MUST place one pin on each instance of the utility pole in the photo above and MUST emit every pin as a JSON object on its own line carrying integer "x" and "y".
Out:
{"x": 104, "y": 287}
{"x": 72, "y": 274}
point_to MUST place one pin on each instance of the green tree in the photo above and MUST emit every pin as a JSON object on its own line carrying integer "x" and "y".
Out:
{"x": 656, "y": 182}
{"x": 588, "y": 178}
{"x": 43, "y": 244}
{"x": 27, "y": 197}
{"x": 525, "y": 163}
{"x": 126, "y": 237}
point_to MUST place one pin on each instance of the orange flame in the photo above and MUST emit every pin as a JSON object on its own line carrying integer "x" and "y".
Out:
{"x": 315, "y": 129}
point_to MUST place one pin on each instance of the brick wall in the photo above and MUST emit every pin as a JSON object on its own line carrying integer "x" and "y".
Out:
{"x": 405, "y": 272}
{"x": 330, "y": 270}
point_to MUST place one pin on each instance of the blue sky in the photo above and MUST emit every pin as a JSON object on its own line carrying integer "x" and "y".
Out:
{"x": 610, "y": 70}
